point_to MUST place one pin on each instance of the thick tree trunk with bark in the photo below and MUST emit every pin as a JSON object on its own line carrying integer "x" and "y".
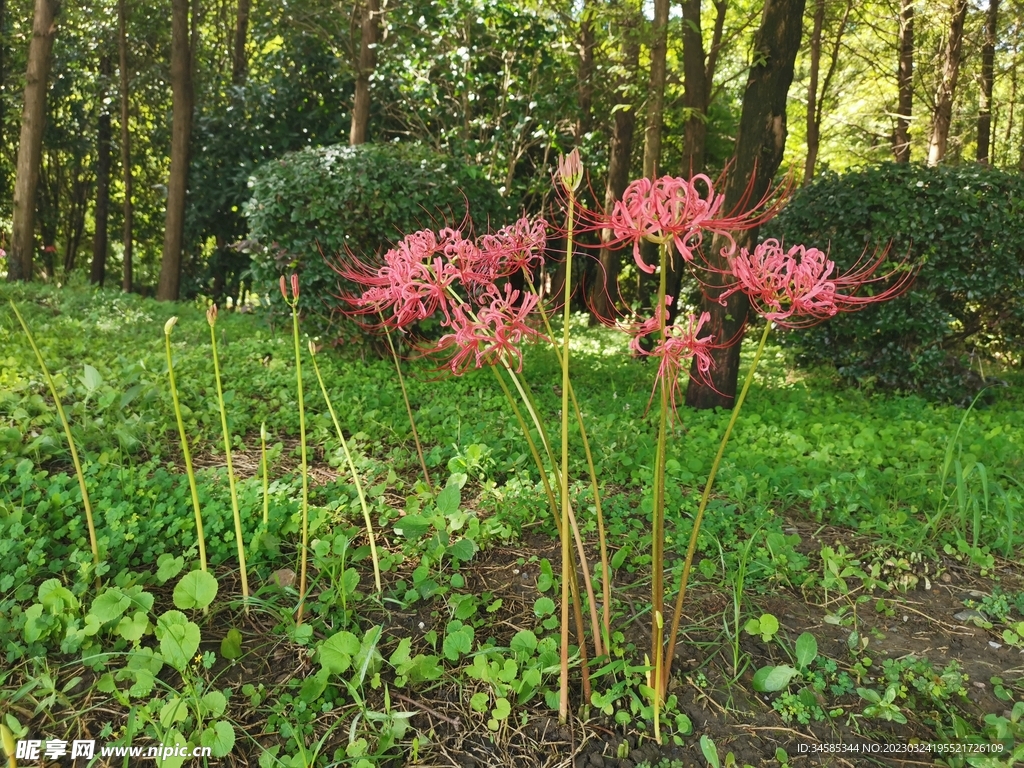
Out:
{"x": 98, "y": 270}
{"x": 988, "y": 58}
{"x": 605, "y": 289}
{"x": 656, "y": 89}
{"x": 126, "y": 154}
{"x": 585, "y": 73}
{"x": 33, "y": 118}
{"x": 695, "y": 90}
{"x": 943, "y": 116}
{"x": 759, "y": 146}
{"x": 905, "y": 83}
{"x": 239, "y": 61}
{"x": 181, "y": 134}
{"x": 367, "y": 63}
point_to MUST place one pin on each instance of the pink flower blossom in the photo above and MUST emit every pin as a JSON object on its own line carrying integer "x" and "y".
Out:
{"x": 799, "y": 287}
{"x": 669, "y": 209}
{"x": 570, "y": 170}
{"x": 681, "y": 344}
{"x": 493, "y": 335}
{"x": 509, "y": 250}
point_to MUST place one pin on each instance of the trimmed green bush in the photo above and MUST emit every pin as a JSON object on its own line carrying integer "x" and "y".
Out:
{"x": 312, "y": 205}
{"x": 964, "y": 227}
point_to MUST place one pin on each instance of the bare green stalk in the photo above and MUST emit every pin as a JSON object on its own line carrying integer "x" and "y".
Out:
{"x": 685, "y": 579}
{"x": 265, "y": 473}
{"x": 408, "y": 408}
{"x": 71, "y": 443}
{"x": 185, "y": 451}
{"x": 211, "y": 318}
{"x": 352, "y": 469}
{"x": 658, "y": 512}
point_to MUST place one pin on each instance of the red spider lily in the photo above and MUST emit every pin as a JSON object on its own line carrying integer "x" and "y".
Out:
{"x": 669, "y": 209}
{"x": 502, "y": 254}
{"x": 416, "y": 277}
{"x": 493, "y": 335}
{"x": 799, "y": 287}
{"x": 681, "y": 344}
{"x": 570, "y": 170}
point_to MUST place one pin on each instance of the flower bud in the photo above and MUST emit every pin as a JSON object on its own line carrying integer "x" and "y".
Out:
{"x": 211, "y": 315}
{"x": 295, "y": 286}
{"x": 263, "y": 431}
{"x": 570, "y": 170}
{"x": 169, "y": 325}
{"x": 312, "y": 348}
{"x": 284, "y": 289}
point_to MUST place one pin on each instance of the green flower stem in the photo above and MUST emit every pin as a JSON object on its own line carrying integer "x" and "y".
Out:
{"x": 265, "y": 473}
{"x": 606, "y": 578}
{"x": 185, "y": 451}
{"x": 352, "y": 469}
{"x": 408, "y": 409}
{"x": 685, "y": 579}
{"x": 231, "y": 470}
{"x": 304, "y": 466}
{"x": 563, "y": 700}
{"x": 524, "y": 393}
{"x": 71, "y": 443}
{"x": 658, "y": 512}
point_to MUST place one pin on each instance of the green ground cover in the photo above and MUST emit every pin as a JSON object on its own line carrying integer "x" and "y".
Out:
{"x": 916, "y": 481}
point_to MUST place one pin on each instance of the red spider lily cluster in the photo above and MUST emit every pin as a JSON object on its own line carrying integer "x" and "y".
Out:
{"x": 464, "y": 281}
{"x": 459, "y": 279}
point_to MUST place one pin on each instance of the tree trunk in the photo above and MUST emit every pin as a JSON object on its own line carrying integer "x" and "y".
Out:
{"x": 239, "y": 62}
{"x": 813, "y": 126}
{"x": 760, "y": 143}
{"x": 126, "y": 154}
{"x": 585, "y": 73}
{"x": 905, "y": 83}
{"x": 988, "y": 57}
{"x": 605, "y": 290}
{"x": 943, "y": 116}
{"x": 33, "y": 118}
{"x": 695, "y": 90}
{"x": 98, "y": 271}
{"x": 367, "y": 63}
{"x": 816, "y": 97}
{"x": 656, "y": 89}
{"x": 181, "y": 133}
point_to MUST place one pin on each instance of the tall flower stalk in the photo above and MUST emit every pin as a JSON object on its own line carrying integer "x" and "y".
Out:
{"x": 185, "y": 451}
{"x": 71, "y": 444}
{"x": 570, "y": 173}
{"x": 352, "y": 468}
{"x": 408, "y": 409}
{"x": 293, "y": 302}
{"x": 265, "y": 474}
{"x": 211, "y": 319}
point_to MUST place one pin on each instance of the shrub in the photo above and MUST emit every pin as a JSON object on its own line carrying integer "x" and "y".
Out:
{"x": 962, "y": 227}
{"x": 310, "y": 205}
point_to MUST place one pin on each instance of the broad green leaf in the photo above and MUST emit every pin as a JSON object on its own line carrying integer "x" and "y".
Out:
{"x": 220, "y": 738}
{"x": 543, "y": 606}
{"x": 336, "y": 652}
{"x": 231, "y": 645}
{"x": 412, "y": 526}
{"x": 524, "y": 642}
{"x": 91, "y": 379}
{"x": 806, "y": 650}
{"x": 196, "y": 589}
{"x": 110, "y": 605}
{"x": 179, "y": 639}
{"x": 448, "y": 500}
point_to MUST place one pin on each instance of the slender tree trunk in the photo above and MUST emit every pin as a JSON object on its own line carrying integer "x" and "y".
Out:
{"x": 3, "y": 65}
{"x": 943, "y": 116}
{"x": 988, "y": 58}
{"x": 605, "y": 291}
{"x": 656, "y": 89}
{"x": 239, "y": 61}
{"x": 367, "y": 63}
{"x": 813, "y": 136}
{"x": 98, "y": 271}
{"x": 181, "y": 134}
{"x": 905, "y": 83}
{"x": 126, "y": 153}
{"x": 33, "y": 118}
{"x": 815, "y": 96}
{"x": 585, "y": 74}
{"x": 759, "y": 146}
{"x": 695, "y": 92}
